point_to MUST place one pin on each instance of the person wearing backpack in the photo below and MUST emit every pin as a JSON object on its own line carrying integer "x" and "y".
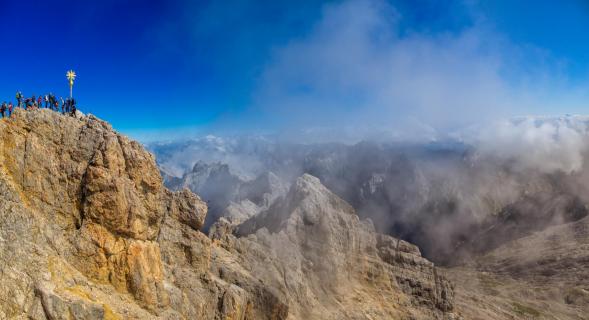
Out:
{"x": 53, "y": 102}
{"x": 19, "y": 98}
{"x": 74, "y": 109}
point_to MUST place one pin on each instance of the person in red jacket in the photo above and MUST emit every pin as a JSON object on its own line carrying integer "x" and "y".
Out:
{"x": 9, "y": 109}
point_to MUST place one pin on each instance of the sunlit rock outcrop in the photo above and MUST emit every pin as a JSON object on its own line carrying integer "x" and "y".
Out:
{"x": 88, "y": 231}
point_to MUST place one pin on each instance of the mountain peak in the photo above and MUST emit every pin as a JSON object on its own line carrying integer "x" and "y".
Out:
{"x": 87, "y": 203}
{"x": 87, "y": 229}
{"x": 320, "y": 239}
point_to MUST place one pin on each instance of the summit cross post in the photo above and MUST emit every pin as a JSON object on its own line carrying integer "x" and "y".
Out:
{"x": 71, "y": 76}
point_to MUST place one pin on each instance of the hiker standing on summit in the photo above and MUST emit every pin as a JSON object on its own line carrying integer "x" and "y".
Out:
{"x": 19, "y": 98}
{"x": 47, "y": 101}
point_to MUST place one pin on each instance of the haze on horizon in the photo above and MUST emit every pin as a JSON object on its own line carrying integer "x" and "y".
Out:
{"x": 177, "y": 69}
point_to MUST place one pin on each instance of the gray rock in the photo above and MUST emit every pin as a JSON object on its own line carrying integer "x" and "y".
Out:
{"x": 88, "y": 231}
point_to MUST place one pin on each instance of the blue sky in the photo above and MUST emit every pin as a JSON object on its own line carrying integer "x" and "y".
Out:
{"x": 155, "y": 67}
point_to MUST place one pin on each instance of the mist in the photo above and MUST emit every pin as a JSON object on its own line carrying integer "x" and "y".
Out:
{"x": 542, "y": 143}
{"x": 511, "y": 177}
{"x": 428, "y": 134}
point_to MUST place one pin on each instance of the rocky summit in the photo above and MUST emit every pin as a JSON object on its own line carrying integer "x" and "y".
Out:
{"x": 88, "y": 231}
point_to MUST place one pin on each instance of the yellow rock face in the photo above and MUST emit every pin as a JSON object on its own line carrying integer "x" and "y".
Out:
{"x": 96, "y": 195}
{"x": 145, "y": 273}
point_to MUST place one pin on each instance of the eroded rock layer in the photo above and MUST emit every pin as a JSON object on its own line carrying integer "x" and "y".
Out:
{"x": 88, "y": 231}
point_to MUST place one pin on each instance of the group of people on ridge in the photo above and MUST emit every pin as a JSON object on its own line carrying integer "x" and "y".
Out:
{"x": 49, "y": 101}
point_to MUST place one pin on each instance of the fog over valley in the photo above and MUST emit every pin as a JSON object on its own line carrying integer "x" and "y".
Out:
{"x": 515, "y": 177}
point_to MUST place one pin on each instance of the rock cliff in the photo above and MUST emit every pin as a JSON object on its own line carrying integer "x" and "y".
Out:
{"x": 88, "y": 231}
{"x": 227, "y": 194}
{"x": 331, "y": 265}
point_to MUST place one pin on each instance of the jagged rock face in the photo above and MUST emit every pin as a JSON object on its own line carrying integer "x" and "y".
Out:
{"x": 238, "y": 212}
{"x": 263, "y": 190}
{"x": 82, "y": 209}
{"x": 228, "y": 194}
{"x": 87, "y": 231}
{"x": 332, "y": 265}
{"x": 215, "y": 183}
{"x": 255, "y": 196}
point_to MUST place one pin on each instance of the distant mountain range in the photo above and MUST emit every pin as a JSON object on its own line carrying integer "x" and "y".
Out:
{"x": 450, "y": 197}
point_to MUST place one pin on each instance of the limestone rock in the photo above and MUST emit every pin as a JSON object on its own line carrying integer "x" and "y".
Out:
{"x": 228, "y": 194}
{"x": 329, "y": 263}
{"x": 187, "y": 208}
{"x": 88, "y": 231}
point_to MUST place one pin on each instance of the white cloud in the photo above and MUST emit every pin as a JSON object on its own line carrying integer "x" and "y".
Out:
{"x": 357, "y": 68}
{"x": 541, "y": 143}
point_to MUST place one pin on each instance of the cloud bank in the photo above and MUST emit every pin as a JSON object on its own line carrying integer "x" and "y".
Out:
{"x": 540, "y": 143}
{"x": 358, "y": 67}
